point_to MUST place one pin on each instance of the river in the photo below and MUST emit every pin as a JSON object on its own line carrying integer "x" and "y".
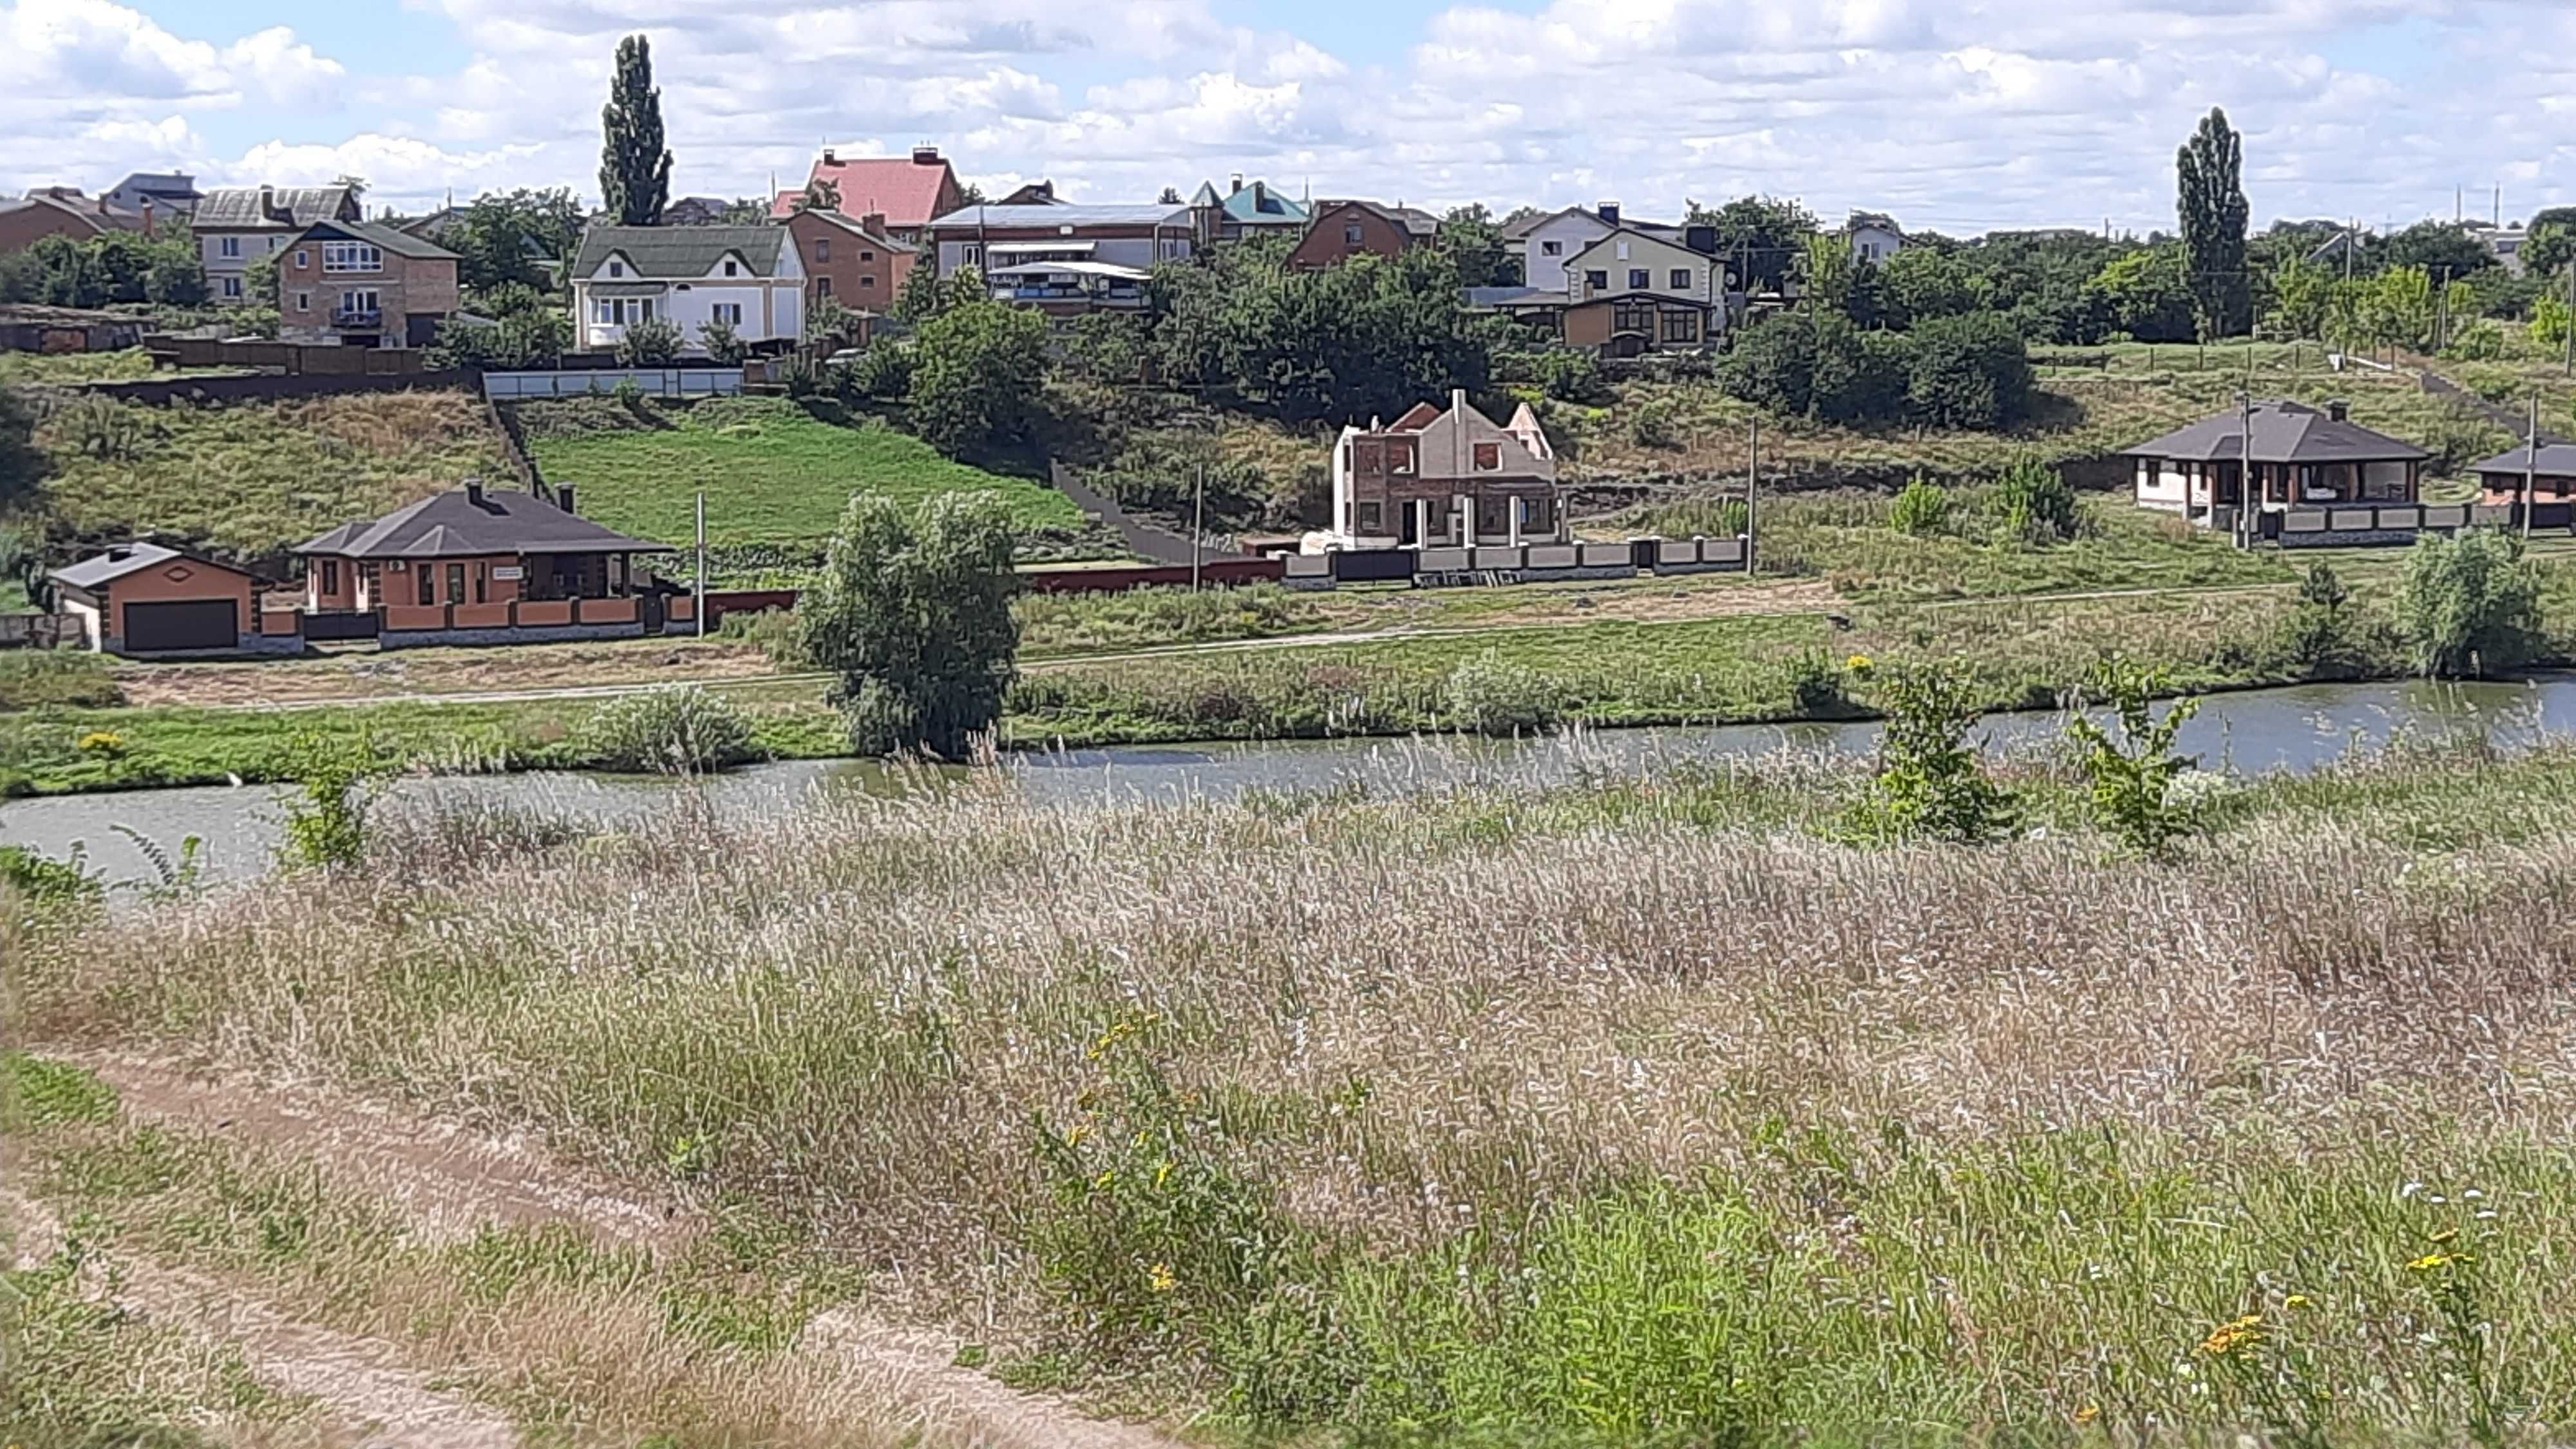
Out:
{"x": 2296, "y": 728}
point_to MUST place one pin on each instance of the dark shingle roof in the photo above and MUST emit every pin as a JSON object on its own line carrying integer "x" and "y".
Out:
{"x": 456, "y": 523}
{"x": 681, "y": 251}
{"x": 393, "y": 239}
{"x": 236, "y": 207}
{"x": 2557, "y": 460}
{"x": 2284, "y": 432}
{"x": 129, "y": 558}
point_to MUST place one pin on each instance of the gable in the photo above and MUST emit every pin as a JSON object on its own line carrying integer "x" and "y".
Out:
{"x": 1642, "y": 251}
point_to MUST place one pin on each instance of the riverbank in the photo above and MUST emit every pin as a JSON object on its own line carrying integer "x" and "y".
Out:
{"x": 2023, "y": 653}
{"x": 1635, "y": 1110}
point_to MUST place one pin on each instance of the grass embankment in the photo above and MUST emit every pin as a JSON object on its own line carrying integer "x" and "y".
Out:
{"x": 251, "y": 479}
{"x": 2092, "y": 402}
{"x": 776, "y": 474}
{"x": 38, "y": 368}
{"x": 1632, "y": 1112}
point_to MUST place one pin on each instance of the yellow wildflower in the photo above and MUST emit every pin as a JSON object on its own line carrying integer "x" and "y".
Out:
{"x": 100, "y": 742}
{"x": 1074, "y": 1134}
{"x": 2430, "y": 1262}
{"x": 2088, "y": 1413}
{"x": 2296, "y": 1300}
{"x": 1161, "y": 1278}
{"x": 2231, "y": 1338}
{"x": 1163, "y": 1173}
{"x": 1858, "y": 664}
{"x": 1107, "y": 1176}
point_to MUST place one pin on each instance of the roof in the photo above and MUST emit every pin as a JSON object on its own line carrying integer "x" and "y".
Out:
{"x": 165, "y": 185}
{"x": 390, "y": 238}
{"x": 121, "y": 559}
{"x": 40, "y": 314}
{"x": 2284, "y": 432}
{"x": 97, "y": 215}
{"x": 907, "y": 191}
{"x": 471, "y": 521}
{"x": 234, "y": 208}
{"x": 967, "y": 218}
{"x": 1110, "y": 270}
{"x": 851, "y": 225}
{"x": 1448, "y": 438}
{"x": 682, "y": 251}
{"x": 1515, "y": 297}
{"x": 1412, "y": 219}
{"x": 1252, "y": 204}
{"x": 1876, "y": 221}
{"x": 2558, "y": 460}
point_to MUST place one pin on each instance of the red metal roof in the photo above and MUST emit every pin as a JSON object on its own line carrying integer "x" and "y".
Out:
{"x": 906, "y": 190}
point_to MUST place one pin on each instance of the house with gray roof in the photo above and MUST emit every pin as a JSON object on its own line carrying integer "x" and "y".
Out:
{"x": 749, "y": 278}
{"x": 996, "y": 238}
{"x": 2301, "y": 456}
{"x": 150, "y": 599}
{"x": 478, "y": 565}
{"x": 171, "y": 193}
{"x": 237, "y": 225}
{"x": 2549, "y": 470}
{"x": 364, "y": 284}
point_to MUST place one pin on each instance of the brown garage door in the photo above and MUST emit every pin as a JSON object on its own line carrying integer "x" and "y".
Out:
{"x": 189, "y": 624}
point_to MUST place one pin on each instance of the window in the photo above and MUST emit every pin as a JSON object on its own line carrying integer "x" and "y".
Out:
{"x": 232, "y": 286}
{"x": 303, "y": 259}
{"x": 428, "y": 593}
{"x": 619, "y": 311}
{"x": 971, "y": 254}
{"x": 1351, "y": 234}
{"x": 1371, "y": 517}
{"x": 330, "y": 576}
{"x": 867, "y": 280}
{"x": 1489, "y": 456}
{"x": 1681, "y": 279}
{"x": 456, "y": 583}
{"x": 617, "y": 269}
{"x": 822, "y": 286}
{"x": 304, "y": 301}
{"x": 732, "y": 267}
{"x": 866, "y": 256}
{"x": 822, "y": 249}
{"x": 277, "y": 243}
{"x": 1639, "y": 279}
{"x": 1399, "y": 457}
{"x": 1681, "y": 326}
{"x": 1637, "y": 319}
{"x": 1551, "y": 249}
{"x": 1597, "y": 281}
{"x": 343, "y": 256}
{"x": 229, "y": 246}
{"x": 360, "y": 303}
{"x": 729, "y": 313}
{"x": 478, "y": 581}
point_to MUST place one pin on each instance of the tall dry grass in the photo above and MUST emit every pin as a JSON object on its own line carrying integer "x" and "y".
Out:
{"x": 1631, "y": 1110}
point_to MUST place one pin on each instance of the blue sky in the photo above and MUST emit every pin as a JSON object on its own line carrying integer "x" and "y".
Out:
{"x": 1960, "y": 115}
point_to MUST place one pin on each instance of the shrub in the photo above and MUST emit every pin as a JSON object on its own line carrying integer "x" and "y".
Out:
{"x": 2132, "y": 777}
{"x": 1968, "y": 371}
{"x": 99, "y": 426}
{"x": 2323, "y": 634}
{"x": 326, "y": 823}
{"x": 976, "y": 376}
{"x": 67, "y": 678}
{"x": 1921, "y": 509}
{"x": 1652, "y": 427}
{"x": 883, "y": 372}
{"x": 724, "y": 346}
{"x": 2038, "y": 506}
{"x": 653, "y": 342}
{"x": 1930, "y": 784}
{"x": 671, "y": 729}
{"x": 45, "y": 880}
{"x": 1817, "y": 686}
{"x": 2470, "y": 603}
{"x": 1569, "y": 376}
{"x": 1491, "y": 695}
{"x": 912, "y": 610}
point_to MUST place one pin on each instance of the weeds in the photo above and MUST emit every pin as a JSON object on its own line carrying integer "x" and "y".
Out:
{"x": 2133, "y": 776}
{"x": 671, "y": 729}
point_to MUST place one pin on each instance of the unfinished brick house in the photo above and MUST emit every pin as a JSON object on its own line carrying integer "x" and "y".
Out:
{"x": 1455, "y": 477}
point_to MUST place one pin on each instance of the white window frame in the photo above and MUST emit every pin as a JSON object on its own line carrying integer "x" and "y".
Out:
{"x": 351, "y": 300}
{"x": 1551, "y": 248}
{"x": 729, "y": 313}
{"x": 232, "y": 286}
{"x": 228, "y": 246}
{"x": 352, "y": 257}
{"x": 303, "y": 259}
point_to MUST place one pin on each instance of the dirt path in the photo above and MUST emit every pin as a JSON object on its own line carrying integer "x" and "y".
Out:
{"x": 453, "y": 1181}
{"x": 366, "y": 1395}
{"x": 2512, "y": 420}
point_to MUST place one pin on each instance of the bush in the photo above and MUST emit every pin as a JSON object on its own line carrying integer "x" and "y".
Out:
{"x": 1930, "y": 784}
{"x": 1569, "y": 376}
{"x": 1921, "y": 509}
{"x": 1491, "y": 695}
{"x": 883, "y": 372}
{"x": 724, "y": 346}
{"x": 912, "y": 610}
{"x": 2037, "y": 504}
{"x": 2132, "y": 777}
{"x": 977, "y": 371}
{"x": 2470, "y": 603}
{"x": 1817, "y": 686}
{"x": 1968, "y": 371}
{"x": 99, "y": 426}
{"x": 1652, "y": 427}
{"x": 326, "y": 827}
{"x": 671, "y": 729}
{"x": 653, "y": 342}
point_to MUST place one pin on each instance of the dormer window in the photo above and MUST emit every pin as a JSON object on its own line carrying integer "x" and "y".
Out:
{"x": 617, "y": 269}
{"x": 1489, "y": 456}
{"x": 732, "y": 267}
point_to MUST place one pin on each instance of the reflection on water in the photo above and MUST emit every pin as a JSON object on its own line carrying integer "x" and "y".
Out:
{"x": 2250, "y": 733}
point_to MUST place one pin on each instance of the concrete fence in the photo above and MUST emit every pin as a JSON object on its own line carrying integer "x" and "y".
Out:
{"x": 2346, "y": 525}
{"x": 670, "y": 382}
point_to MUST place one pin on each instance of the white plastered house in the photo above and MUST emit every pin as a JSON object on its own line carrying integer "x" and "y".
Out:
{"x": 747, "y": 276}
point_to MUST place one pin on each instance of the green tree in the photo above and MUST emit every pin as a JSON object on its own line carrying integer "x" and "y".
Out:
{"x": 2213, "y": 214}
{"x": 2146, "y": 294}
{"x": 2445, "y": 249}
{"x": 2549, "y": 243}
{"x": 23, "y": 465}
{"x": 2470, "y": 603}
{"x": 1923, "y": 282}
{"x": 2132, "y": 776}
{"x": 913, "y": 612}
{"x": 653, "y": 342}
{"x": 506, "y": 237}
{"x": 918, "y": 297}
{"x": 259, "y": 280}
{"x": 326, "y": 820}
{"x": 1827, "y": 272}
{"x": 2391, "y": 309}
{"x": 1765, "y": 235}
{"x": 724, "y": 346}
{"x": 2038, "y": 504}
{"x": 1473, "y": 243}
{"x": 2303, "y": 298}
{"x": 1969, "y": 371}
{"x": 829, "y": 324}
{"x": 1930, "y": 784}
{"x": 634, "y": 166}
{"x": 1921, "y": 508}
{"x": 976, "y": 374}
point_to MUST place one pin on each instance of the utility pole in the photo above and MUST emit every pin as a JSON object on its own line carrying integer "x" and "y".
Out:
{"x": 1752, "y": 484}
{"x": 2530, "y": 466}
{"x": 2442, "y": 311}
{"x": 2245, "y": 471}
{"x": 698, "y": 585}
{"x": 1198, "y": 526}
{"x": 2351, "y": 238}
{"x": 2571, "y": 318}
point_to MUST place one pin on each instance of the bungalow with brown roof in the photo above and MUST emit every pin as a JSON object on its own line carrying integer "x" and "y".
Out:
{"x": 1455, "y": 477}
{"x": 2301, "y": 456}
{"x": 486, "y": 566}
{"x": 63, "y": 211}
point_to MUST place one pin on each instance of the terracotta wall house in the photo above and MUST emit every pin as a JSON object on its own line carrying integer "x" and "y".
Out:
{"x": 67, "y": 213}
{"x": 364, "y": 284}
{"x": 860, "y": 264}
{"x": 1346, "y": 229}
{"x": 146, "y": 598}
{"x": 476, "y": 565}
{"x": 2551, "y": 474}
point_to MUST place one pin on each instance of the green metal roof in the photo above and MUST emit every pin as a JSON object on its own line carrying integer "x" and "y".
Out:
{"x": 684, "y": 253}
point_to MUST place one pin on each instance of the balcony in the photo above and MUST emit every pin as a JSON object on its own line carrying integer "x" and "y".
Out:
{"x": 350, "y": 319}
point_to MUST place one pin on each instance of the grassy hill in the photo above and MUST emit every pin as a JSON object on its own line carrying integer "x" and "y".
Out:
{"x": 776, "y": 475}
{"x": 250, "y": 479}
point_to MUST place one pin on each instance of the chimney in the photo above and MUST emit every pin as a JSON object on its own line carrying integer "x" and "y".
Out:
{"x": 147, "y": 216}
{"x": 474, "y": 492}
{"x": 563, "y": 498}
{"x": 1457, "y": 401}
{"x": 1701, "y": 239}
{"x": 267, "y": 202}
{"x": 874, "y": 223}
{"x": 829, "y": 159}
{"x": 1608, "y": 211}
{"x": 2339, "y": 410}
{"x": 925, "y": 155}
{"x": 1234, "y": 183}
{"x": 1260, "y": 195}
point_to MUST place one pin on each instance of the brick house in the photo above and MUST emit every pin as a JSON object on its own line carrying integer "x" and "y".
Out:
{"x": 1434, "y": 477}
{"x": 147, "y": 598}
{"x": 2551, "y": 473}
{"x": 364, "y": 284}
{"x": 237, "y": 225}
{"x": 1344, "y": 229}
{"x": 63, "y": 211}
{"x": 908, "y": 191}
{"x": 860, "y": 264}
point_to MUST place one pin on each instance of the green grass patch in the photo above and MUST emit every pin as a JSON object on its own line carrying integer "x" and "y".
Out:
{"x": 50, "y": 678}
{"x": 125, "y": 365}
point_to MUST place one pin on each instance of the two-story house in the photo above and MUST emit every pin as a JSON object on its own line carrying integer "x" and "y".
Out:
{"x": 1455, "y": 477}
{"x": 1632, "y": 291}
{"x": 1244, "y": 212}
{"x": 908, "y": 191}
{"x": 859, "y": 263}
{"x": 1874, "y": 236}
{"x": 992, "y": 238}
{"x": 364, "y": 284}
{"x": 1344, "y": 229}
{"x": 170, "y": 193}
{"x": 63, "y": 211}
{"x": 237, "y": 225}
{"x": 748, "y": 277}
{"x": 1545, "y": 244}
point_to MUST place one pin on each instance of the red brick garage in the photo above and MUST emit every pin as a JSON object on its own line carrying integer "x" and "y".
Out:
{"x": 150, "y": 599}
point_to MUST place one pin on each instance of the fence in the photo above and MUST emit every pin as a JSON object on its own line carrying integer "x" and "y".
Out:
{"x": 41, "y": 631}
{"x": 327, "y": 359}
{"x": 672, "y": 382}
{"x": 2347, "y": 525}
{"x": 272, "y": 385}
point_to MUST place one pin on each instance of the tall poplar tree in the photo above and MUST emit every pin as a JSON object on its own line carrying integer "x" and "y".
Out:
{"x": 634, "y": 169}
{"x": 2209, "y": 167}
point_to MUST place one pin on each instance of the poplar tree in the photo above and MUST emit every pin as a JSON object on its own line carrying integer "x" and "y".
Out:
{"x": 634, "y": 169}
{"x": 2212, "y": 205}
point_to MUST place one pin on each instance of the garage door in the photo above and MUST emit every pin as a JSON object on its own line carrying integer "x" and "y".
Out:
{"x": 192, "y": 624}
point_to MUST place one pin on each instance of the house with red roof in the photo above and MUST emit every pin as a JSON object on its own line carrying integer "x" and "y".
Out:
{"x": 906, "y": 191}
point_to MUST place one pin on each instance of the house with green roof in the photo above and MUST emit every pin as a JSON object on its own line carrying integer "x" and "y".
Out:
{"x": 749, "y": 278}
{"x": 364, "y": 284}
{"x": 1245, "y": 211}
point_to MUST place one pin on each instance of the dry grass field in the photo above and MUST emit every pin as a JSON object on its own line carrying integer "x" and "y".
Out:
{"x": 1637, "y": 1111}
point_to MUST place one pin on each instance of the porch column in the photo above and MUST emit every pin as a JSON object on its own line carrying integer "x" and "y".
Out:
{"x": 1465, "y": 503}
{"x": 1518, "y": 505}
{"x": 1421, "y": 523}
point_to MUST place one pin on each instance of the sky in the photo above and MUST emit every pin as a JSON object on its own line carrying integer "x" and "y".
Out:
{"x": 1958, "y": 116}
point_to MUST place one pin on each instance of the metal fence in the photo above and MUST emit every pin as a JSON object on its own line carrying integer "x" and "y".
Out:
{"x": 674, "y": 382}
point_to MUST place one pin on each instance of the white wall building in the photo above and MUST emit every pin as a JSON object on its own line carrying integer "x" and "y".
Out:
{"x": 1547, "y": 244}
{"x": 748, "y": 277}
